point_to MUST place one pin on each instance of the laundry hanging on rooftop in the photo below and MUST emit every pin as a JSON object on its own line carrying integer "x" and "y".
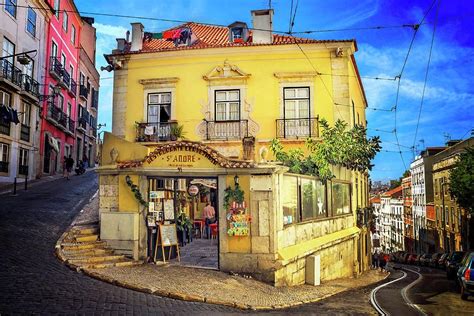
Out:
{"x": 178, "y": 36}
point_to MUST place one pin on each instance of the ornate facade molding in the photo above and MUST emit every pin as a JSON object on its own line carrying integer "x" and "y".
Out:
{"x": 158, "y": 82}
{"x": 226, "y": 72}
{"x": 296, "y": 75}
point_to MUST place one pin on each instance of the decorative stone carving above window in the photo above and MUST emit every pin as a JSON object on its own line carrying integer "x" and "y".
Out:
{"x": 295, "y": 76}
{"x": 157, "y": 83}
{"x": 226, "y": 72}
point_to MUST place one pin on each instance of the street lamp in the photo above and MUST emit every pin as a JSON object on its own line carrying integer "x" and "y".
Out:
{"x": 56, "y": 91}
{"x": 22, "y": 58}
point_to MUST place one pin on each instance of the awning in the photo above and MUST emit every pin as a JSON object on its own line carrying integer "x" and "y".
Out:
{"x": 53, "y": 143}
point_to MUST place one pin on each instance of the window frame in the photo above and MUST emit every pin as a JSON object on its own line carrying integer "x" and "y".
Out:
{"x": 26, "y": 114}
{"x": 54, "y": 49}
{"x": 333, "y": 208}
{"x": 23, "y": 159}
{"x": 159, "y": 105}
{"x": 296, "y": 99}
{"x": 32, "y": 23}
{"x": 227, "y": 102}
{"x": 65, "y": 21}
{"x": 5, "y": 153}
{"x": 56, "y": 5}
{"x": 12, "y": 5}
{"x": 12, "y": 58}
{"x": 73, "y": 34}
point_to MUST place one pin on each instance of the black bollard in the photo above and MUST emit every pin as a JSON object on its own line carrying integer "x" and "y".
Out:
{"x": 14, "y": 187}
{"x": 26, "y": 183}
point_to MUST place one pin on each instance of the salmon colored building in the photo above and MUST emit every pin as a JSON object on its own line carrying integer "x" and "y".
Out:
{"x": 59, "y": 110}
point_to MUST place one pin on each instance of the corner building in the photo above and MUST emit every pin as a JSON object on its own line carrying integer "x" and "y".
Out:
{"x": 232, "y": 90}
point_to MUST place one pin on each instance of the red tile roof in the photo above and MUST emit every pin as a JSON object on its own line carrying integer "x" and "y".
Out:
{"x": 218, "y": 36}
{"x": 375, "y": 199}
{"x": 394, "y": 192}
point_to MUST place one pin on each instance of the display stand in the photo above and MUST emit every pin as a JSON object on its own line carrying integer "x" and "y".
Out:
{"x": 167, "y": 236}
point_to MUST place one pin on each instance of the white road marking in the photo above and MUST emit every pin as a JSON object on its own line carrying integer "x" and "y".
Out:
{"x": 408, "y": 287}
{"x": 373, "y": 299}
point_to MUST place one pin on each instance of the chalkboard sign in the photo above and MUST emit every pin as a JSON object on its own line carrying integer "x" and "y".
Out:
{"x": 167, "y": 237}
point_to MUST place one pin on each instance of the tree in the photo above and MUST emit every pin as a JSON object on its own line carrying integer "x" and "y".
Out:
{"x": 338, "y": 146}
{"x": 461, "y": 180}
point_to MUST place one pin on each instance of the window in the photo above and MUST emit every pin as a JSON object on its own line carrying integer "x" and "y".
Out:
{"x": 73, "y": 34}
{"x": 63, "y": 60}
{"x": 82, "y": 78}
{"x": 159, "y": 107}
{"x": 227, "y": 105}
{"x": 296, "y": 102}
{"x": 313, "y": 195}
{"x": 71, "y": 71}
{"x": 341, "y": 198}
{"x": 56, "y": 8}
{"x": 10, "y": 7}
{"x": 69, "y": 109}
{"x": 237, "y": 32}
{"x": 29, "y": 68}
{"x": 23, "y": 163}
{"x": 31, "y": 21}
{"x": 8, "y": 49}
{"x": 290, "y": 199}
{"x": 60, "y": 101}
{"x": 25, "y": 114}
{"x": 5, "y": 98}
{"x": 65, "y": 21}
{"x": 54, "y": 49}
{"x": 4, "y": 157}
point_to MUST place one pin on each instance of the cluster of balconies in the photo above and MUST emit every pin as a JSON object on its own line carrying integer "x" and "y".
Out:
{"x": 60, "y": 73}
{"x": 13, "y": 77}
{"x": 56, "y": 116}
{"x": 229, "y": 130}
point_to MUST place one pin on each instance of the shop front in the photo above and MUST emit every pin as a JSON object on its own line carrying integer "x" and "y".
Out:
{"x": 248, "y": 217}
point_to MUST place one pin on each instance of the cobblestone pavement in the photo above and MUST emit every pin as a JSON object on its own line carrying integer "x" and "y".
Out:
{"x": 33, "y": 280}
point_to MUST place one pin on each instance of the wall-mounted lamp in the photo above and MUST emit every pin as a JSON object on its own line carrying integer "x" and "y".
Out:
{"x": 236, "y": 180}
{"x": 56, "y": 91}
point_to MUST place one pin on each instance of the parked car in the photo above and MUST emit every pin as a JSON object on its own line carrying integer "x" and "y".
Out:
{"x": 442, "y": 260}
{"x": 466, "y": 275}
{"x": 453, "y": 262}
{"x": 425, "y": 259}
{"x": 404, "y": 258}
{"x": 412, "y": 258}
{"x": 434, "y": 259}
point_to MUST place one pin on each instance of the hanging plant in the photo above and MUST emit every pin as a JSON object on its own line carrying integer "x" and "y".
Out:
{"x": 231, "y": 195}
{"x": 136, "y": 191}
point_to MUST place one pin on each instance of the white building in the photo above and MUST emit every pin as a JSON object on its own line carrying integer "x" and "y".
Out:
{"x": 391, "y": 220}
{"x": 22, "y": 29}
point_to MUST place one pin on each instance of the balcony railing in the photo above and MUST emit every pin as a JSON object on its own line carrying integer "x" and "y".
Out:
{"x": 83, "y": 92}
{"x": 66, "y": 78}
{"x": 73, "y": 88}
{"x": 82, "y": 123}
{"x": 54, "y": 113}
{"x": 9, "y": 72}
{"x": 56, "y": 68}
{"x": 155, "y": 132}
{"x": 25, "y": 133}
{"x": 225, "y": 130}
{"x": 30, "y": 85}
{"x": 71, "y": 125}
{"x": 3, "y": 166}
{"x": 297, "y": 128}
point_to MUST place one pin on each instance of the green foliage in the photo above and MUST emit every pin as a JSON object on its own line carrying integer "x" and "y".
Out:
{"x": 136, "y": 191}
{"x": 177, "y": 131}
{"x": 338, "y": 146}
{"x": 183, "y": 222}
{"x": 461, "y": 180}
{"x": 231, "y": 195}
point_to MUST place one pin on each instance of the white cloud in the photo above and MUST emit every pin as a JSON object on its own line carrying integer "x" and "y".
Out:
{"x": 110, "y": 30}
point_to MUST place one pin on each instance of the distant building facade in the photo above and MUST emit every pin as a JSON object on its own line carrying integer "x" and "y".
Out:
{"x": 407, "y": 214}
{"x": 391, "y": 220}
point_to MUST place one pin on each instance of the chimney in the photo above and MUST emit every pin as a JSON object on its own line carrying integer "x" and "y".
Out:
{"x": 120, "y": 44}
{"x": 262, "y": 21}
{"x": 137, "y": 36}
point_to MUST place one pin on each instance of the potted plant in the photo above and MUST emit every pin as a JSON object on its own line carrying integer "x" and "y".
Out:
{"x": 177, "y": 132}
{"x": 184, "y": 226}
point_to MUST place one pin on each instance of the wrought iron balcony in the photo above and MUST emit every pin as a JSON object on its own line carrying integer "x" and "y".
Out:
{"x": 25, "y": 133}
{"x": 10, "y": 73}
{"x": 72, "y": 88}
{"x": 82, "y": 123}
{"x": 71, "y": 125}
{"x": 297, "y": 128}
{"x": 155, "y": 132}
{"x": 66, "y": 79}
{"x": 56, "y": 68}
{"x": 30, "y": 85}
{"x": 83, "y": 92}
{"x": 227, "y": 130}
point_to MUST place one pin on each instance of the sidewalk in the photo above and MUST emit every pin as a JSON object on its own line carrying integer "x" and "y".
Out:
{"x": 7, "y": 187}
{"x": 215, "y": 287}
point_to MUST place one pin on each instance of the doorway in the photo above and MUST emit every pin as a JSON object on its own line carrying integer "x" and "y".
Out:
{"x": 189, "y": 203}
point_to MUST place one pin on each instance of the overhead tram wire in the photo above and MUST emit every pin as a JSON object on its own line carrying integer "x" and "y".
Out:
{"x": 426, "y": 73}
{"x": 126, "y": 16}
{"x": 415, "y": 28}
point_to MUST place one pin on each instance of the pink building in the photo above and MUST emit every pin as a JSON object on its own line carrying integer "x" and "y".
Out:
{"x": 59, "y": 113}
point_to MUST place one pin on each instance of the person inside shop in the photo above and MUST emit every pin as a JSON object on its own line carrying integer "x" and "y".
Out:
{"x": 209, "y": 214}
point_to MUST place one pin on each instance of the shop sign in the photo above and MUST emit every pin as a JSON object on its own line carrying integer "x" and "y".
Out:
{"x": 239, "y": 225}
{"x": 193, "y": 190}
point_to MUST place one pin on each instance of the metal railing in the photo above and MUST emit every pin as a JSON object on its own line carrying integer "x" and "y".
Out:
{"x": 73, "y": 88}
{"x": 66, "y": 78}
{"x": 71, "y": 125}
{"x": 225, "y": 130}
{"x": 155, "y": 132}
{"x": 82, "y": 123}
{"x": 9, "y": 72}
{"x": 25, "y": 133}
{"x": 54, "y": 113}
{"x": 56, "y": 67}
{"x": 30, "y": 85}
{"x": 296, "y": 128}
{"x": 83, "y": 92}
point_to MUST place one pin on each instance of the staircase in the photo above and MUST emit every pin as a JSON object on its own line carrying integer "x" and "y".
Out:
{"x": 80, "y": 248}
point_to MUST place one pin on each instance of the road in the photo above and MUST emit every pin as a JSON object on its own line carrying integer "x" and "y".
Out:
{"x": 34, "y": 281}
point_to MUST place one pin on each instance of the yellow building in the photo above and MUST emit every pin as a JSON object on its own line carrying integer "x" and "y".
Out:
{"x": 232, "y": 90}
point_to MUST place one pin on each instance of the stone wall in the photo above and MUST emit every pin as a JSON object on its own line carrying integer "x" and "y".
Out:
{"x": 108, "y": 193}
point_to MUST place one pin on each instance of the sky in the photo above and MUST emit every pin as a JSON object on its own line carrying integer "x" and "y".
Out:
{"x": 447, "y": 110}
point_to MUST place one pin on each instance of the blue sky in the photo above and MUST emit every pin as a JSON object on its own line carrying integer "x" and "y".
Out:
{"x": 448, "y": 108}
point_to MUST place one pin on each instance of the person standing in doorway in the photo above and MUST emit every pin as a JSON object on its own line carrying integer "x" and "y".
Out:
{"x": 209, "y": 214}
{"x": 69, "y": 165}
{"x": 64, "y": 167}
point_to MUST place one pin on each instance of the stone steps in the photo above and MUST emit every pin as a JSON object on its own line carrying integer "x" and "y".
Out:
{"x": 81, "y": 248}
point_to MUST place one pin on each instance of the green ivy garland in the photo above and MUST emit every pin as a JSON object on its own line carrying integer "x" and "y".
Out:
{"x": 230, "y": 195}
{"x": 136, "y": 192}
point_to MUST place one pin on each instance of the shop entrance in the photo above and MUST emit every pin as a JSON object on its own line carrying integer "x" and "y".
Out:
{"x": 189, "y": 203}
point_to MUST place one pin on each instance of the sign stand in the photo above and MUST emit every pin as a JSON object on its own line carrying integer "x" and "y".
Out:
{"x": 167, "y": 236}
